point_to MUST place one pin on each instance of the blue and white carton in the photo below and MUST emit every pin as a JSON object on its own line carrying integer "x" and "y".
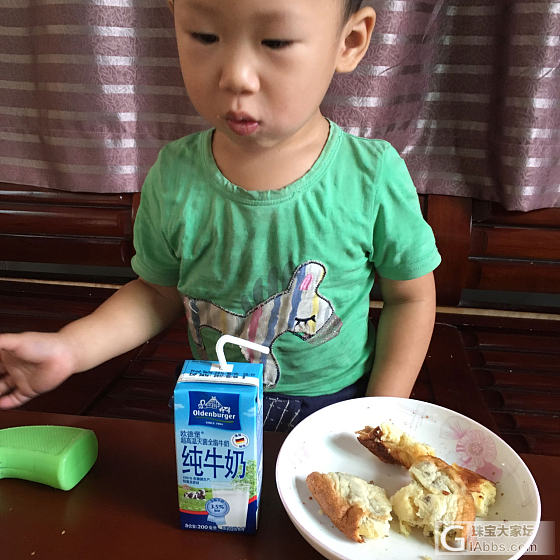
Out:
{"x": 218, "y": 441}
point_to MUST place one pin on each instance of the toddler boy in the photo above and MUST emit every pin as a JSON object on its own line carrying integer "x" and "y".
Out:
{"x": 271, "y": 225}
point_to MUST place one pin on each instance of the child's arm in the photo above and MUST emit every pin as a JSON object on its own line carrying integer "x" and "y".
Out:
{"x": 32, "y": 363}
{"x": 403, "y": 335}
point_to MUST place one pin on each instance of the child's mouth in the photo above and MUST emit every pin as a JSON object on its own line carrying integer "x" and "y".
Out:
{"x": 241, "y": 124}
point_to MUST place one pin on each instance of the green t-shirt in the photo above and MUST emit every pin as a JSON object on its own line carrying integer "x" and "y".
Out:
{"x": 291, "y": 268}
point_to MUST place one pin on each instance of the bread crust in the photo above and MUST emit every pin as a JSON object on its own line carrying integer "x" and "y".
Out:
{"x": 389, "y": 449}
{"x": 345, "y": 517}
{"x": 482, "y": 490}
{"x": 474, "y": 481}
{"x": 370, "y": 438}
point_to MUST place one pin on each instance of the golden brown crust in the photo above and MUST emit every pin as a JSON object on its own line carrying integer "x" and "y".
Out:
{"x": 474, "y": 481}
{"x": 345, "y": 517}
{"x": 482, "y": 490}
{"x": 371, "y": 439}
{"x": 392, "y": 449}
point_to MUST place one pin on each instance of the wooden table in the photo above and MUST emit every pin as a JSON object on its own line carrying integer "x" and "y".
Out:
{"x": 126, "y": 506}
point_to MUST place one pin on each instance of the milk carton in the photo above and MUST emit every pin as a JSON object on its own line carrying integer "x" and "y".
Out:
{"x": 218, "y": 441}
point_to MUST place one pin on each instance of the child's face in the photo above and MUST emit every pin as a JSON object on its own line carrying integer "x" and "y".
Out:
{"x": 258, "y": 70}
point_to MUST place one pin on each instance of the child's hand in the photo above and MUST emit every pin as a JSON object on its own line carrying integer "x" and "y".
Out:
{"x": 31, "y": 363}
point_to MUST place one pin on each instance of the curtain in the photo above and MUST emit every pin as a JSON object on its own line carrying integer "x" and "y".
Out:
{"x": 467, "y": 91}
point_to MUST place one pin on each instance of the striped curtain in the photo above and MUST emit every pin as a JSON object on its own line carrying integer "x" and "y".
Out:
{"x": 467, "y": 91}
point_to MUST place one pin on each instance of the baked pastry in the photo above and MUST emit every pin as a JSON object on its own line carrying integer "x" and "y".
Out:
{"x": 437, "y": 497}
{"x": 391, "y": 445}
{"x": 358, "y": 508}
{"x": 483, "y": 490}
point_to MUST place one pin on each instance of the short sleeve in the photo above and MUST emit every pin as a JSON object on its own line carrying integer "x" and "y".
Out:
{"x": 155, "y": 260}
{"x": 403, "y": 242}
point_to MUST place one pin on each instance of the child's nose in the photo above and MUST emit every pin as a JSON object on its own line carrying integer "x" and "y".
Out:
{"x": 239, "y": 74}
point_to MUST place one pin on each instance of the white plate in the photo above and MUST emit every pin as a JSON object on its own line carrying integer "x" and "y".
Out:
{"x": 326, "y": 442}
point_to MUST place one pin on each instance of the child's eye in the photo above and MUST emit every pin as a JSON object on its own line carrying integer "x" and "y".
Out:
{"x": 204, "y": 38}
{"x": 276, "y": 44}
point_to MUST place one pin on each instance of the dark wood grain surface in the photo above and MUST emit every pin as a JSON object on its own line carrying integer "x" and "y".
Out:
{"x": 126, "y": 508}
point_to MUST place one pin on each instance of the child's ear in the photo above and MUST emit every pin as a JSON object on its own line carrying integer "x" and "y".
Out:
{"x": 356, "y": 36}
{"x": 170, "y": 4}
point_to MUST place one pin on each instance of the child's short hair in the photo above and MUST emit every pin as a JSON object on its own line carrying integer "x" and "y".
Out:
{"x": 351, "y": 6}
